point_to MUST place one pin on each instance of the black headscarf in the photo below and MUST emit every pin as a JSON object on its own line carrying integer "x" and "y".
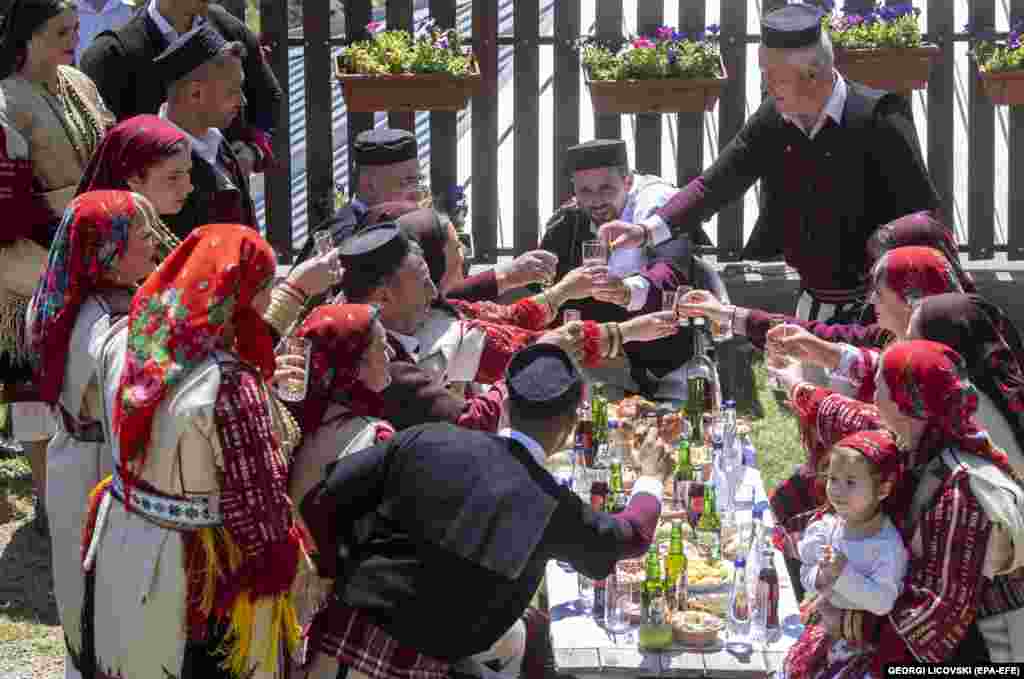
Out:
{"x": 990, "y": 344}
{"x": 19, "y": 25}
{"x": 426, "y": 228}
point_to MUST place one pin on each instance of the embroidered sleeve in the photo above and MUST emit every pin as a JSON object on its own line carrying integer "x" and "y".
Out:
{"x": 525, "y": 313}
{"x": 500, "y": 343}
{"x": 857, "y": 368}
{"x": 932, "y": 615}
{"x": 254, "y": 485}
{"x": 755, "y": 325}
{"x": 484, "y": 412}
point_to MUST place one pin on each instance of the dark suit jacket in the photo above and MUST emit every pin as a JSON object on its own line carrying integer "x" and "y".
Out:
{"x": 211, "y": 202}
{"x": 463, "y": 526}
{"x": 121, "y": 64}
{"x": 821, "y": 198}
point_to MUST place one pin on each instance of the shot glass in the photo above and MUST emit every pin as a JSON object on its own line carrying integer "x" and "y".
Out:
{"x": 293, "y": 388}
{"x": 595, "y": 253}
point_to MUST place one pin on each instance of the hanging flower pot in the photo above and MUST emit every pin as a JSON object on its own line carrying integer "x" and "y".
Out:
{"x": 1001, "y": 66}
{"x": 1004, "y": 88}
{"x": 893, "y": 69}
{"x": 882, "y": 48}
{"x": 397, "y": 71}
{"x": 668, "y": 72}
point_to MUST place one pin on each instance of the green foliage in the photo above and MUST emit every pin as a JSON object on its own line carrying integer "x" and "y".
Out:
{"x": 994, "y": 55}
{"x": 667, "y": 54}
{"x": 393, "y": 52}
{"x": 885, "y": 26}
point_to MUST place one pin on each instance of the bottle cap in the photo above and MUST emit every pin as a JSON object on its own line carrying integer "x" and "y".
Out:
{"x": 613, "y": 424}
{"x": 740, "y": 563}
{"x": 759, "y": 508}
{"x": 730, "y": 404}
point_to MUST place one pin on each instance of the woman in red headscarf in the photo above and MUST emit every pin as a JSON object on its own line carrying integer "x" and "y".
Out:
{"x": 191, "y": 549}
{"x": 903, "y": 279}
{"x": 960, "y": 510}
{"x": 102, "y": 247}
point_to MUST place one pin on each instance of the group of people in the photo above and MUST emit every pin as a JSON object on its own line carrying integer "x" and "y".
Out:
{"x": 201, "y": 526}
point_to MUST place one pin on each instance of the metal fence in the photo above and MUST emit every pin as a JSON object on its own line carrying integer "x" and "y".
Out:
{"x": 965, "y": 138}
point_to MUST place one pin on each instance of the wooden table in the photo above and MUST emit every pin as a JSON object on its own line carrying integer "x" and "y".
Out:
{"x": 584, "y": 649}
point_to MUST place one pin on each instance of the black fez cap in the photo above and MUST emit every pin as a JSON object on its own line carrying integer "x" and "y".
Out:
{"x": 596, "y": 153}
{"x": 189, "y": 52}
{"x": 792, "y": 27}
{"x": 385, "y": 146}
{"x": 543, "y": 379}
{"x": 370, "y": 256}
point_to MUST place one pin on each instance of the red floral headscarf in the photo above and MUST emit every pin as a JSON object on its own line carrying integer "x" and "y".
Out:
{"x": 915, "y": 272}
{"x": 89, "y": 242}
{"x": 928, "y": 381}
{"x": 340, "y": 335}
{"x": 180, "y": 316}
{"x": 128, "y": 149}
{"x": 920, "y": 228}
{"x": 878, "y": 447}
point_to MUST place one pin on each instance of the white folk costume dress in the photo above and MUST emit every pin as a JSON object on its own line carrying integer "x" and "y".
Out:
{"x": 181, "y": 584}
{"x": 70, "y": 317}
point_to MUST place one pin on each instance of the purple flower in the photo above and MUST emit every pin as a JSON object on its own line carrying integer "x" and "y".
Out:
{"x": 854, "y": 19}
{"x": 442, "y": 42}
{"x": 677, "y": 36}
{"x": 664, "y": 33}
{"x": 673, "y": 57}
{"x": 713, "y": 29}
{"x": 828, "y": 5}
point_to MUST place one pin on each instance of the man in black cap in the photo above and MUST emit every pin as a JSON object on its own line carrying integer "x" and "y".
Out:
{"x": 383, "y": 267}
{"x": 204, "y": 96}
{"x": 605, "y": 189}
{"x": 460, "y": 527}
{"x": 120, "y": 62}
{"x": 835, "y": 159}
{"x": 387, "y": 172}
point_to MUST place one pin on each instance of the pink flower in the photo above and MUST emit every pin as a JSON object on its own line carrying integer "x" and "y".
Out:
{"x": 642, "y": 43}
{"x": 374, "y": 26}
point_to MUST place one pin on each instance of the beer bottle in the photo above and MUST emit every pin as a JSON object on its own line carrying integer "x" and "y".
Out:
{"x": 683, "y": 473}
{"x": 676, "y": 590}
{"x": 599, "y": 413}
{"x": 655, "y": 627}
{"x": 710, "y": 525}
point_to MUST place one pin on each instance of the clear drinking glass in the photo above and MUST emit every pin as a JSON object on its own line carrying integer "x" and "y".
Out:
{"x": 292, "y": 388}
{"x": 617, "y": 600}
{"x": 678, "y": 294}
{"x": 323, "y": 242}
{"x": 595, "y": 253}
{"x": 586, "y": 594}
{"x": 773, "y": 359}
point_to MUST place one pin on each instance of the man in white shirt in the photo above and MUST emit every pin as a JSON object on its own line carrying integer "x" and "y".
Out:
{"x": 96, "y": 16}
{"x": 606, "y": 189}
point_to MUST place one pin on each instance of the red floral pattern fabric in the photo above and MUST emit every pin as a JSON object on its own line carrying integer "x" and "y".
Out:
{"x": 920, "y": 228}
{"x": 89, "y": 242}
{"x": 916, "y": 272}
{"x": 181, "y": 315}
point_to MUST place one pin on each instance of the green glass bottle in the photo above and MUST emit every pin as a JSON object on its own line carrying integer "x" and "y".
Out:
{"x": 675, "y": 570}
{"x": 710, "y": 526}
{"x": 655, "y": 625}
{"x": 683, "y": 473}
{"x": 616, "y": 491}
{"x": 599, "y": 411}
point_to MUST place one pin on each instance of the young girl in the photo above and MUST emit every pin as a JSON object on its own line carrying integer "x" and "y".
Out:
{"x": 852, "y": 554}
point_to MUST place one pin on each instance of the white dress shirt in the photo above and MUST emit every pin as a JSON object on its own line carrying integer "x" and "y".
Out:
{"x": 833, "y": 109}
{"x": 92, "y": 22}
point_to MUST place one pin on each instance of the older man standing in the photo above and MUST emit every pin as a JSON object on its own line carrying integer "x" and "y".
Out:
{"x": 606, "y": 189}
{"x": 204, "y": 96}
{"x": 835, "y": 159}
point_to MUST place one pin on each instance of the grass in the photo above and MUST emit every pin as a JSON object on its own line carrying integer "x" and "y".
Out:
{"x": 776, "y": 436}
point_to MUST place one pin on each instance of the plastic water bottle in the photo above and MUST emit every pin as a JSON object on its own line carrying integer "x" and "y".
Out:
{"x": 747, "y": 446}
{"x": 739, "y": 601}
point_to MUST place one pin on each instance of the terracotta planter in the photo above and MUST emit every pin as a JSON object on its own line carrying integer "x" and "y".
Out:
{"x": 893, "y": 69}
{"x": 1005, "y": 88}
{"x": 657, "y": 95}
{"x": 406, "y": 91}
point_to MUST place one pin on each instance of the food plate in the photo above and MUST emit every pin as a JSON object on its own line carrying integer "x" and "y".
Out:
{"x": 704, "y": 577}
{"x": 696, "y": 628}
